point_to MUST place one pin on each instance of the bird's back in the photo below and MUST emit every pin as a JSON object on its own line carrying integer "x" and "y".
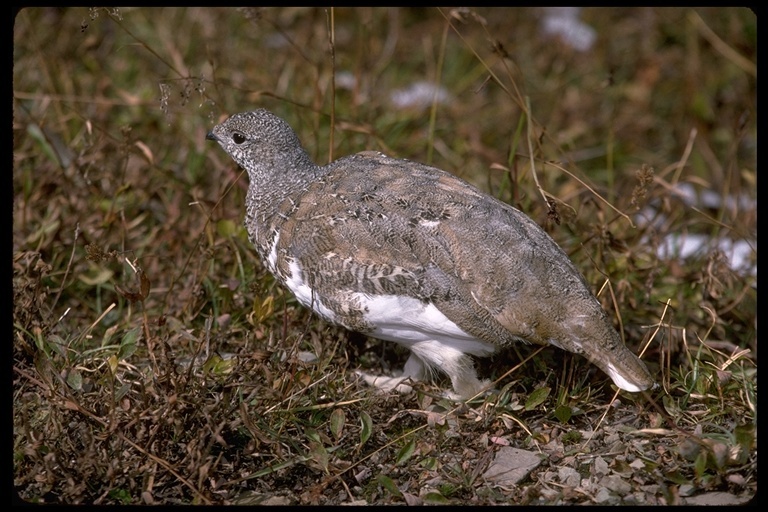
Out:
{"x": 383, "y": 226}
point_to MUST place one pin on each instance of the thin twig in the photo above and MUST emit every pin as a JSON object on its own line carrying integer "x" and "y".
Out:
{"x": 721, "y": 46}
{"x": 594, "y": 192}
{"x": 686, "y": 154}
{"x": 530, "y": 150}
{"x": 69, "y": 266}
{"x": 332, "y": 48}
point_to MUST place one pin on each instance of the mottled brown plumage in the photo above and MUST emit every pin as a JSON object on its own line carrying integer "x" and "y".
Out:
{"x": 409, "y": 253}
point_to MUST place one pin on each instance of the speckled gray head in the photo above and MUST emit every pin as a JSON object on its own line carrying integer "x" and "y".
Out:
{"x": 409, "y": 253}
{"x": 261, "y": 142}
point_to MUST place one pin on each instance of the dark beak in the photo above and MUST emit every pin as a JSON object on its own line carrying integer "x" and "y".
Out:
{"x": 210, "y": 136}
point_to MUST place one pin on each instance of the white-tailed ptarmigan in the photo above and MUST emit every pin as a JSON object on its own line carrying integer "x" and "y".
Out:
{"x": 409, "y": 253}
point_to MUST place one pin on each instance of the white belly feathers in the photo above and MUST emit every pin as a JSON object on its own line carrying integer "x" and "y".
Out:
{"x": 403, "y": 320}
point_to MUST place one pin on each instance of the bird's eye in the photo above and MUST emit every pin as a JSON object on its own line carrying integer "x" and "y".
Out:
{"x": 238, "y": 138}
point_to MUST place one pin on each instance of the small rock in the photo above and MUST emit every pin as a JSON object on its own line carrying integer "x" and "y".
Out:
{"x": 276, "y": 500}
{"x": 307, "y": 357}
{"x": 718, "y": 498}
{"x": 355, "y": 503}
{"x": 412, "y": 500}
{"x": 550, "y": 496}
{"x": 510, "y": 466}
{"x": 737, "y": 479}
{"x": 569, "y": 476}
{"x": 600, "y": 467}
{"x": 604, "y": 497}
{"x": 616, "y": 484}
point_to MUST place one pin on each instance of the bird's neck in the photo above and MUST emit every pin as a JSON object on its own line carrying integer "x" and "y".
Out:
{"x": 274, "y": 190}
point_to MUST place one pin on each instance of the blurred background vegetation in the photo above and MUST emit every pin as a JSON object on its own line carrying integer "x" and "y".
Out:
{"x": 154, "y": 358}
